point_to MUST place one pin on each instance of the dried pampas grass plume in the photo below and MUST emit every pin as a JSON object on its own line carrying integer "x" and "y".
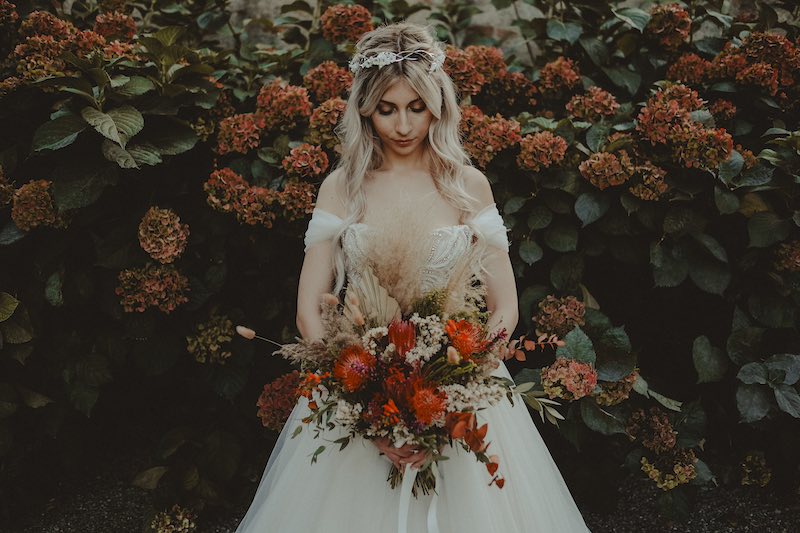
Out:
{"x": 399, "y": 244}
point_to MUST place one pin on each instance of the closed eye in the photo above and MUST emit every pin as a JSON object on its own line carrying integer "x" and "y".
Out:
{"x": 389, "y": 112}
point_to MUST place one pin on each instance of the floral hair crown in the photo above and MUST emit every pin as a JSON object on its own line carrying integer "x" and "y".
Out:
{"x": 382, "y": 59}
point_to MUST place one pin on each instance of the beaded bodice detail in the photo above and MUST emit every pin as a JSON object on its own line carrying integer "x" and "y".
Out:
{"x": 447, "y": 245}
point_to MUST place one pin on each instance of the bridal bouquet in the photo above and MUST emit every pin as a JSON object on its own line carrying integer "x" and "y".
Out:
{"x": 418, "y": 378}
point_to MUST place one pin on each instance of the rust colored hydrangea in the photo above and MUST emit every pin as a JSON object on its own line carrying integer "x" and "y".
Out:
{"x": 461, "y": 68}
{"x": 559, "y": 316}
{"x": 697, "y": 147}
{"x": 669, "y": 25}
{"x": 673, "y": 469}
{"x": 118, "y": 48}
{"x": 239, "y": 133}
{"x": 223, "y": 189}
{"x": 488, "y": 60}
{"x": 33, "y": 206}
{"x": 345, "y": 23}
{"x": 558, "y": 75}
{"x": 568, "y": 379}
{"x": 39, "y": 57}
{"x": 328, "y": 80}
{"x": 594, "y": 105}
{"x": 323, "y": 121}
{"x": 254, "y": 206}
{"x": 667, "y": 110}
{"x": 615, "y": 392}
{"x": 10, "y": 84}
{"x": 115, "y": 25}
{"x": 763, "y": 59}
{"x": 153, "y": 285}
{"x": 654, "y": 430}
{"x": 277, "y": 400}
{"x": 45, "y": 23}
{"x": 207, "y": 343}
{"x": 85, "y": 42}
{"x": 722, "y": 109}
{"x": 689, "y": 68}
{"x": 605, "y": 170}
{"x": 297, "y": 199}
{"x": 6, "y": 189}
{"x": 176, "y": 520}
{"x": 509, "y": 94}
{"x": 162, "y": 235}
{"x": 485, "y": 136}
{"x": 8, "y": 15}
{"x": 282, "y": 106}
{"x": 759, "y": 75}
{"x": 750, "y": 159}
{"x": 541, "y": 150}
{"x": 305, "y": 162}
{"x": 788, "y": 256}
{"x": 652, "y": 184}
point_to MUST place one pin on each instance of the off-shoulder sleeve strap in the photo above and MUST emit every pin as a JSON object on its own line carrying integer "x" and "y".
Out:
{"x": 322, "y": 226}
{"x": 490, "y": 224}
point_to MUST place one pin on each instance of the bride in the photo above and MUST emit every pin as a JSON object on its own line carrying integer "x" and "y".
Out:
{"x": 400, "y": 140}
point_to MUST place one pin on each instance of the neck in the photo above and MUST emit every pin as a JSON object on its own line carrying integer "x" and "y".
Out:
{"x": 415, "y": 161}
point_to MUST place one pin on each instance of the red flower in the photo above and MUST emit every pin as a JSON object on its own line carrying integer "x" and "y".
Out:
{"x": 427, "y": 403}
{"x": 402, "y": 334}
{"x": 559, "y": 74}
{"x": 354, "y": 367}
{"x": 343, "y": 23}
{"x": 465, "y": 337}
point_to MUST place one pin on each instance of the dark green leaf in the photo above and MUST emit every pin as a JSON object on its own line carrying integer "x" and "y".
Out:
{"x": 765, "y": 229}
{"x": 709, "y": 361}
{"x": 530, "y": 251}
{"x": 634, "y": 17}
{"x": 789, "y": 363}
{"x": 590, "y": 206}
{"x": 577, "y": 346}
{"x": 744, "y": 345}
{"x": 57, "y": 133}
{"x": 540, "y": 217}
{"x": 753, "y": 373}
{"x": 753, "y": 402}
{"x": 788, "y": 400}
{"x": 600, "y": 420}
{"x": 561, "y": 237}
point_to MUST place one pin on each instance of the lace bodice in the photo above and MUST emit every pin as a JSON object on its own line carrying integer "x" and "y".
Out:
{"x": 448, "y": 243}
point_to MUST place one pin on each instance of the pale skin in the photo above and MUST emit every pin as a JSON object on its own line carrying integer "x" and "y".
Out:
{"x": 402, "y": 114}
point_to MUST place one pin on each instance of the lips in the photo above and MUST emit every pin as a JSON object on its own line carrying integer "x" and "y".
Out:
{"x": 403, "y": 141}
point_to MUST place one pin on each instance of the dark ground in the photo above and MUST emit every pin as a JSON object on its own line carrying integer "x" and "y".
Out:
{"x": 105, "y": 502}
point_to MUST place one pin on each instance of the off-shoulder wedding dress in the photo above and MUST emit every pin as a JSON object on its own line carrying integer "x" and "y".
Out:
{"x": 347, "y": 491}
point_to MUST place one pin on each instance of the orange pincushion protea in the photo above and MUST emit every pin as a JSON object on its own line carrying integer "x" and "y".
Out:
{"x": 353, "y": 368}
{"x": 402, "y": 334}
{"x": 466, "y": 337}
{"x": 428, "y": 403}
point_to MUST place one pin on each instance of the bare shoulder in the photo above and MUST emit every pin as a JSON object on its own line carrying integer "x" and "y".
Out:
{"x": 331, "y": 195}
{"x": 477, "y": 185}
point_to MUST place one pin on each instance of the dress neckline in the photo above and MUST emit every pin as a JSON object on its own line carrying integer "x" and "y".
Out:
{"x": 435, "y": 230}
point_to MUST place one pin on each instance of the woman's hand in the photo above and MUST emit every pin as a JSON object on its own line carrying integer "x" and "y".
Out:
{"x": 408, "y": 453}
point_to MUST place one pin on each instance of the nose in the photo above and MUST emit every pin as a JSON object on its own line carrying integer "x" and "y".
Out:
{"x": 403, "y": 125}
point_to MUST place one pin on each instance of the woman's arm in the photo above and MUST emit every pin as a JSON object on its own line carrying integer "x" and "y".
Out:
{"x": 501, "y": 286}
{"x": 316, "y": 274}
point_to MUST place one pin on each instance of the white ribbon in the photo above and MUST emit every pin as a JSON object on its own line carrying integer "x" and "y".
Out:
{"x": 409, "y": 475}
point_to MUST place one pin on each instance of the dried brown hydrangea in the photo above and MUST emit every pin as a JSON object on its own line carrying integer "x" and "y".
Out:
{"x": 162, "y": 235}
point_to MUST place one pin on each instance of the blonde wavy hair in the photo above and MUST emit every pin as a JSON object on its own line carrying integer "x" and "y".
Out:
{"x": 361, "y": 147}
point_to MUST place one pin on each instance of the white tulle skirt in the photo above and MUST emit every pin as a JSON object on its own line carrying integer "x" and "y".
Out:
{"x": 347, "y": 491}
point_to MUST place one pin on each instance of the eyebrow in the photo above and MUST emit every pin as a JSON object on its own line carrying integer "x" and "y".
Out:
{"x": 393, "y": 104}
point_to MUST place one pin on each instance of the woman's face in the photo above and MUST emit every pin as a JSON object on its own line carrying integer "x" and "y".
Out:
{"x": 401, "y": 115}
